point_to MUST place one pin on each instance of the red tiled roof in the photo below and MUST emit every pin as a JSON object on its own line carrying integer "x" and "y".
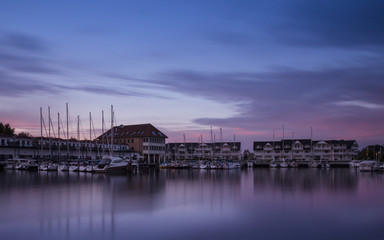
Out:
{"x": 134, "y": 131}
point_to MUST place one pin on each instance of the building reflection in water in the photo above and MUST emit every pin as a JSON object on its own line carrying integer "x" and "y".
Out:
{"x": 187, "y": 204}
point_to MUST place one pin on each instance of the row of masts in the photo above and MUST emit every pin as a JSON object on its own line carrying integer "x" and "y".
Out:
{"x": 78, "y": 137}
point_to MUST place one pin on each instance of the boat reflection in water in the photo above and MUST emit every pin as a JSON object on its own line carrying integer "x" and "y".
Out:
{"x": 193, "y": 204}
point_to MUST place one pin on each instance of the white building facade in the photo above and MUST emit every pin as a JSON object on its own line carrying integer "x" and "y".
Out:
{"x": 306, "y": 150}
{"x": 12, "y": 147}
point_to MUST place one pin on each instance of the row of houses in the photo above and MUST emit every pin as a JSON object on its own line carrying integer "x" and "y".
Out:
{"x": 149, "y": 144}
{"x": 55, "y": 148}
{"x": 306, "y": 149}
{"x": 204, "y": 151}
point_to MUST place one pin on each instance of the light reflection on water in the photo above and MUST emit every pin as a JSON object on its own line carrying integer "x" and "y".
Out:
{"x": 193, "y": 204}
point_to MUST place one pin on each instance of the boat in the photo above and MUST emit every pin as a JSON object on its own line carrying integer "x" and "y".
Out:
{"x": 284, "y": 164}
{"x": 381, "y": 167}
{"x": 89, "y": 168}
{"x": 292, "y": 164}
{"x": 31, "y": 165}
{"x": 63, "y": 167}
{"x": 73, "y": 167}
{"x": 52, "y": 167}
{"x": 273, "y": 165}
{"x": 26, "y": 164}
{"x": 43, "y": 166}
{"x": 369, "y": 166}
{"x": 232, "y": 165}
{"x": 82, "y": 168}
{"x": 324, "y": 164}
{"x": 354, "y": 164}
{"x": 313, "y": 164}
{"x": 111, "y": 165}
{"x": 11, "y": 164}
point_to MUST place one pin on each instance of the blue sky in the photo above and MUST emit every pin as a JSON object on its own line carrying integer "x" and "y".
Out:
{"x": 248, "y": 67}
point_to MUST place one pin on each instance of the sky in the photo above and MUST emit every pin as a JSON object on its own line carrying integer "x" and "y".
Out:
{"x": 250, "y": 68}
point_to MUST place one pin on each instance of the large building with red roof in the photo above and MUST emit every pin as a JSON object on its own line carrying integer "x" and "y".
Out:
{"x": 142, "y": 138}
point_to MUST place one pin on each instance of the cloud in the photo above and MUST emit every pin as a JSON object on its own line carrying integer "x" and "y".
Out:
{"x": 302, "y": 23}
{"x": 357, "y": 103}
{"x": 19, "y": 41}
{"x": 25, "y": 54}
{"x": 26, "y": 64}
{"x": 297, "y": 98}
{"x": 13, "y": 86}
{"x": 339, "y": 23}
{"x": 26, "y": 60}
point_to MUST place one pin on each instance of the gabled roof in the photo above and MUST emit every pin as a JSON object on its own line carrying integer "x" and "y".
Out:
{"x": 135, "y": 131}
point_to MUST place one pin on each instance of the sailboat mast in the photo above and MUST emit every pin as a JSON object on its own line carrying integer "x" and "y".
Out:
{"x": 90, "y": 134}
{"x": 311, "y": 145}
{"x": 67, "y": 131}
{"x": 58, "y": 132}
{"x": 41, "y": 132}
{"x": 102, "y": 131}
{"x": 112, "y": 133}
{"x": 293, "y": 137}
{"x": 221, "y": 141}
{"x": 78, "y": 136}
{"x": 273, "y": 144}
{"x": 283, "y": 144}
{"x": 49, "y": 131}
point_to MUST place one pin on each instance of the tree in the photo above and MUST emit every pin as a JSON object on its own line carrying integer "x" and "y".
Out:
{"x": 372, "y": 152}
{"x": 6, "y": 129}
{"x": 246, "y": 154}
{"x": 24, "y": 135}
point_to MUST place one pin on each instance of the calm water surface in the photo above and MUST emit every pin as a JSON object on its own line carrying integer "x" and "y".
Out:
{"x": 193, "y": 204}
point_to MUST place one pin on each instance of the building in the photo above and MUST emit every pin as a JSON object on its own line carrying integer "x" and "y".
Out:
{"x": 55, "y": 148}
{"x": 203, "y": 151}
{"x": 306, "y": 149}
{"x": 141, "y": 138}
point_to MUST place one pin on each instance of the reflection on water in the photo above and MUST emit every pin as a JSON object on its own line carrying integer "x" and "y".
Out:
{"x": 193, "y": 204}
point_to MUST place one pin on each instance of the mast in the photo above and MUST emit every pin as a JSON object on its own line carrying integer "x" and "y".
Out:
{"x": 49, "y": 131}
{"x": 67, "y": 131}
{"x": 90, "y": 127}
{"x": 112, "y": 133}
{"x": 212, "y": 147}
{"x": 293, "y": 137}
{"x": 273, "y": 144}
{"x": 58, "y": 134}
{"x": 90, "y": 135}
{"x": 283, "y": 143}
{"x": 78, "y": 136}
{"x": 102, "y": 132}
{"x": 221, "y": 141}
{"x": 311, "y": 146}
{"x": 233, "y": 146}
{"x": 41, "y": 132}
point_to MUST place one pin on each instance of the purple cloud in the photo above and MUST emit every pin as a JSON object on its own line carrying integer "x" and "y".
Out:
{"x": 298, "y": 98}
{"x": 19, "y": 41}
{"x": 302, "y": 23}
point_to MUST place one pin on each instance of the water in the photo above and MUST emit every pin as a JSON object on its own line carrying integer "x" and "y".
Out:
{"x": 193, "y": 204}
